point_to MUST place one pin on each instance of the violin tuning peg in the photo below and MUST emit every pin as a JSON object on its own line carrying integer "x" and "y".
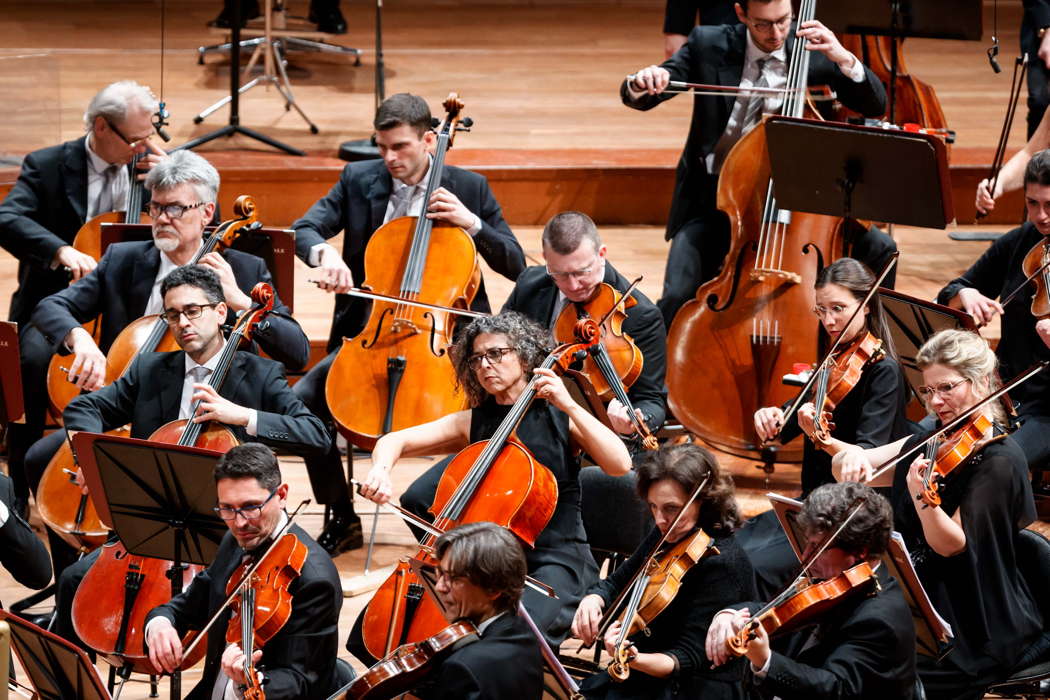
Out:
{"x": 465, "y": 123}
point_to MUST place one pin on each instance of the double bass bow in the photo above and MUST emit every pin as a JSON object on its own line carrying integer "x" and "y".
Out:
{"x": 393, "y": 374}
{"x": 614, "y": 362}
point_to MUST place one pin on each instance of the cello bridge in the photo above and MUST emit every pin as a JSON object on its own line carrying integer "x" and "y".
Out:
{"x": 759, "y": 274}
{"x": 403, "y": 325}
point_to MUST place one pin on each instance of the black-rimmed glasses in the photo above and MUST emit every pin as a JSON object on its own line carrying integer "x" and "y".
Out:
{"x": 249, "y": 512}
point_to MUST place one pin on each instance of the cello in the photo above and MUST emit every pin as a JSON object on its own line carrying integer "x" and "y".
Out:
{"x": 387, "y": 377}
{"x": 729, "y": 347}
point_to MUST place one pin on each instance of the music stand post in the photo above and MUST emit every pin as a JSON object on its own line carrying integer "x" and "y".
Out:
{"x": 365, "y": 149}
{"x": 158, "y": 498}
{"x": 234, "y": 124}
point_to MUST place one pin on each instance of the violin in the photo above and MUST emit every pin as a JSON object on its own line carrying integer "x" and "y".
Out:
{"x": 148, "y": 333}
{"x": 496, "y": 480}
{"x": 396, "y": 372}
{"x": 838, "y": 376}
{"x": 405, "y": 667}
{"x": 1036, "y": 266}
{"x": 803, "y": 603}
{"x": 948, "y": 455}
{"x": 614, "y": 362}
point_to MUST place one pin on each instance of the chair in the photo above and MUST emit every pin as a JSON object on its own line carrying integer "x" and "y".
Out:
{"x": 602, "y": 496}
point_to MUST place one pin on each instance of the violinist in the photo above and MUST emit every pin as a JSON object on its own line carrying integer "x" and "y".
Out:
{"x": 495, "y": 358}
{"x": 754, "y": 53}
{"x": 58, "y": 190}
{"x": 254, "y": 401}
{"x": 670, "y": 661}
{"x": 299, "y": 660}
{"x": 863, "y": 646}
{"x": 1024, "y": 338}
{"x": 576, "y": 266}
{"x": 963, "y": 548}
{"x": 368, "y": 195}
{"x": 481, "y": 573}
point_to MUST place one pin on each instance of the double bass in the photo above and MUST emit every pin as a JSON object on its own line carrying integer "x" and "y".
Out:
{"x": 397, "y": 373}
{"x": 728, "y": 348}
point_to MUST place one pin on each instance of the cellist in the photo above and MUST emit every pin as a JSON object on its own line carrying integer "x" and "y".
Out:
{"x": 368, "y": 195}
{"x": 670, "y": 661}
{"x": 299, "y": 661}
{"x": 754, "y": 53}
{"x": 495, "y": 358}
{"x": 863, "y": 647}
{"x": 58, "y": 190}
{"x": 255, "y": 401}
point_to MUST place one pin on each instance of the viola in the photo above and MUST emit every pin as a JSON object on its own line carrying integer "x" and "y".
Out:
{"x": 396, "y": 372}
{"x": 953, "y": 452}
{"x": 805, "y": 603}
{"x": 838, "y": 376}
{"x": 614, "y": 362}
{"x": 1036, "y": 266}
{"x": 728, "y": 348}
{"x": 496, "y": 480}
{"x": 405, "y": 667}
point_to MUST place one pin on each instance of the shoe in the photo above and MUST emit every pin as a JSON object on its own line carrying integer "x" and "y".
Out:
{"x": 249, "y": 10}
{"x": 330, "y": 21}
{"x": 41, "y": 620}
{"x": 341, "y": 534}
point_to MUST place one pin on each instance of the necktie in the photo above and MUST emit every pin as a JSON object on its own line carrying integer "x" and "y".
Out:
{"x": 754, "y": 106}
{"x": 197, "y": 375}
{"x": 402, "y": 201}
{"x": 104, "y": 202}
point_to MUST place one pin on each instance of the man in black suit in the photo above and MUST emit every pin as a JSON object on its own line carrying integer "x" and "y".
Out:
{"x": 299, "y": 661}
{"x": 576, "y": 267}
{"x": 754, "y": 53}
{"x": 481, "y": 573}
{"x": 369, "y": 194}
{"x": 59, "y": 189}
{"x": 254, "y": 401}
{"x": 863, "y": 647}
{"x": 21, "y": 551}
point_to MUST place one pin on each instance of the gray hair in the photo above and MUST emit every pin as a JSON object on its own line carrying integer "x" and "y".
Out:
{"x": 530, "y": 341}
{"x": 112, "y": 102}
{"x": 185, "y": 167}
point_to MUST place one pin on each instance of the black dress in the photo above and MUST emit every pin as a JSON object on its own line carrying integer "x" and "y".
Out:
{"x": 979, "y": 591}
{"x": 717, "y": 581}
{"x": 870, "y": 415}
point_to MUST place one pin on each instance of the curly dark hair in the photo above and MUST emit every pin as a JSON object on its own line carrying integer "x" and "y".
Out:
{"x": 199, "y": 276}
{"x": 689, "y": 464}
{"x": 530, "y": 341}
{"x": 867, "y": 534}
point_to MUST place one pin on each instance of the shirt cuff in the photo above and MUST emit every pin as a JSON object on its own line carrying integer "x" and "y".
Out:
{"x": 314, "y": 258}
{"x": 253, "y": 423}
{"x": 475, "y": 228}
{"x": 151, "y": 623}
{"x": 760, "y": 673}
{"x": 855, "y": 72}
{"x": 231, "y": 692}
{"x": 632, "y": 93}
{"x": 4, "y": 513}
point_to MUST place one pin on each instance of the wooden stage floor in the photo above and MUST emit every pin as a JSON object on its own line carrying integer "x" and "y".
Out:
{"x": 538, "y": 76}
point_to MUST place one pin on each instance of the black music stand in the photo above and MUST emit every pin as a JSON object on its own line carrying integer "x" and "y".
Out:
{"x": 57, "y": 669}
{"x": 859, "y": 172}
{"x": 158, "y": 498}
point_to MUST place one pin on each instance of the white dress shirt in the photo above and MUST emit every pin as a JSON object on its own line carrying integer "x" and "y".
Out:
{"x": 118, "y": 188}
{"x": 188, "y": 381}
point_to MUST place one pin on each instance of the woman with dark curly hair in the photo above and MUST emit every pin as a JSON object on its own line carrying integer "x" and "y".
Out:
{"x": 670, "y": 661}
{"x": 495, "y": 359}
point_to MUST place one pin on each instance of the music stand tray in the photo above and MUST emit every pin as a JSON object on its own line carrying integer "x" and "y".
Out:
{"x": 931, "y": 19}
{"x": 859, "y": 172}
{"x": 57, "y": 669}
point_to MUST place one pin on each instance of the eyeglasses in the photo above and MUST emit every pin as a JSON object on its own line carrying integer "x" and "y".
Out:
{"x": 172, "y": 211}
{"x": 190, "y": 311}
{"x": 942, "y": 389}
{"x": 249, "y": 512}
{"x": 833, "y": 310}
{"x": 493, "y": 355}
{"x": 131, "y": 144}
{"x": 765, "y": 26}
{"x": 575, "y": 274}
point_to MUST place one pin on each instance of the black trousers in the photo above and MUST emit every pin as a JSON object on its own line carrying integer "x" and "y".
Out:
{"x": 36, "y": 460}
{"x": 1038, "y": 76}
{"x": 34, "y": 356}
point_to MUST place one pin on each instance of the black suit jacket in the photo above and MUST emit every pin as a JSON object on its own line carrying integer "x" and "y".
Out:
{"x": 715, "y": 55}
{"x": 43, "y": 212}
{"x": 535, "y": 294}
{"x": 119, "y": 290}
{"x": 149, "y": 393}
{"x": 299, "y": 660}
{"x": 21, "y": 551}
{"x": 504, "y": 663}
{"x": 356, "y": 206}
{"x": 865, "y": 650}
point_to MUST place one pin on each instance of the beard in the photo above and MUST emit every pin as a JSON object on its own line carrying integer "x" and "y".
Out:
{"x": 166, "y": 243}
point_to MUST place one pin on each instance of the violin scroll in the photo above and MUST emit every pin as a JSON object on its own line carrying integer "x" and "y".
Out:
{"x": 619, "y": 669}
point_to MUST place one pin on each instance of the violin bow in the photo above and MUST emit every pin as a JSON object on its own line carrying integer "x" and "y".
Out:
{"x": 608, "y": 617}
{"x": 430, "y": 529}
{"x": 375, "y": 296}
{"x": 835, "y": 346}
{"x": 572, "y": 690}
{"x": 960, "y": 419}
{"x": 247, "y": 577}
{"x": 1020, "y": 68}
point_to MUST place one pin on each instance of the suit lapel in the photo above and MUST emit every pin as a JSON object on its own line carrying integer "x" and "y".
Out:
{"x": 732, "y": 69}
{"x": 143, "y": 277}
{"x": 170, "y": 386}
{"x": 379, "y": 195}
{"x": 233, "y": 381}
{"x": 74, "y": 176}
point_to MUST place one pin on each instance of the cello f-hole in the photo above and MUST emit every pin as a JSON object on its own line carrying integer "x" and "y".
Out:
{"x": 435, "y": 336}
{"x": 712, "y": 300}
{"x": 366, "y": 344}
